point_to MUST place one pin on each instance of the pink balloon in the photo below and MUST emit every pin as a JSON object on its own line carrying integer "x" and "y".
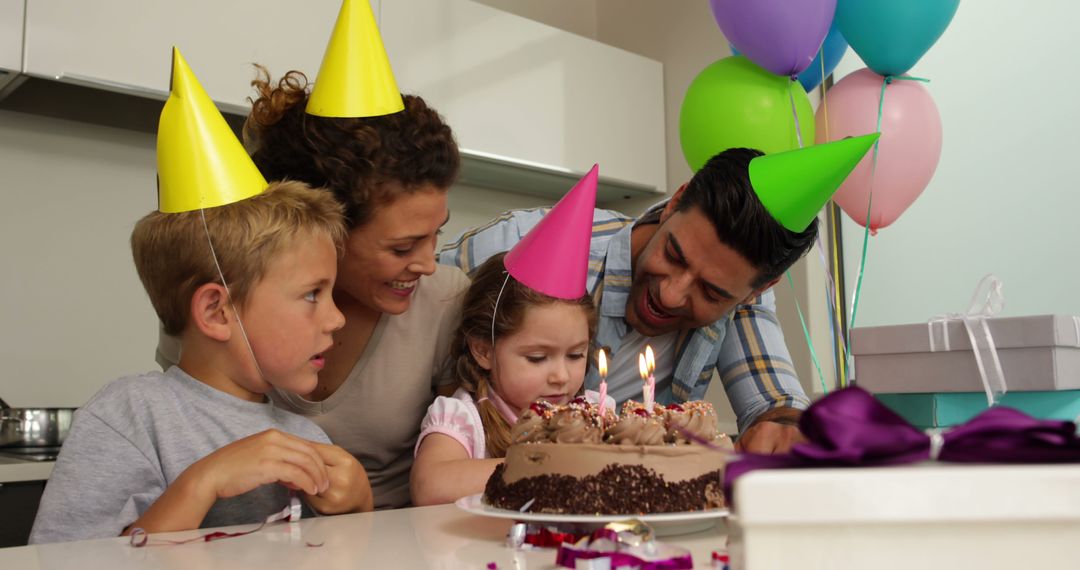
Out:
{"x": 908, "y": 150}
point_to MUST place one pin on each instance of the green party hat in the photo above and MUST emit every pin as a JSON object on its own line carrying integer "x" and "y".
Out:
{"x": 794, "y": 185}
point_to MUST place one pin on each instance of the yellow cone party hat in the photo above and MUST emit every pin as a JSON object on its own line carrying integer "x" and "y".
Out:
{"x": 201, "y": 164}
{"x": 355, "y": 79}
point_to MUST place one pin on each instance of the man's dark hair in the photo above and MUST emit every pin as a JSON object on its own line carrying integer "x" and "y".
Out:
{"x": 721, "y": 189}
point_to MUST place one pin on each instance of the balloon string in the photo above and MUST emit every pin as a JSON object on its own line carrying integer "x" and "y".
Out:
{"x": 806, "y": 333}
{"x": 795, "y": 113}
{"x": 869, "y": 201}
{"x": 824, "y": 101}
{"x": 887, "y": 80}
{"x": 802, "y": 319}
{"x": 836, "y": 325}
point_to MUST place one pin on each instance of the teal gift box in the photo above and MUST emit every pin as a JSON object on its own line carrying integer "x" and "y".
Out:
{"x": 951, "y": 408}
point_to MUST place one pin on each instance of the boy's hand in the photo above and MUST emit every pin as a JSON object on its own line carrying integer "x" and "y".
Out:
{"x": 267, "y": 457}
{"x": 349, "y": 490}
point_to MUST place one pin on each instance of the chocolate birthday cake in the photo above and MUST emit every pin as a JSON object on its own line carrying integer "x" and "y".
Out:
{"x": 571, "y": 460}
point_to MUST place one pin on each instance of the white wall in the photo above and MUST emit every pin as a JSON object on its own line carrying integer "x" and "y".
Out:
{"x": 73, "y": 314}
{"x": 1005, "y": 196}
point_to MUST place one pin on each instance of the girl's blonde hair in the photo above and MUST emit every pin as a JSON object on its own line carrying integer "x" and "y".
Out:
{"x": 477, "y": 311}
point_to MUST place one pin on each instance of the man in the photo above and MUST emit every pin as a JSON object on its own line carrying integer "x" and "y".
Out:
{"x": 691, "y": 278}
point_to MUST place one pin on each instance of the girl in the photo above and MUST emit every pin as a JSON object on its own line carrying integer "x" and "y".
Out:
{"x": 529, "y": 347}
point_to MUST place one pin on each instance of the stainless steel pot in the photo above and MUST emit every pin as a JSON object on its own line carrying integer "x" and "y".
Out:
{"x": 33, "y": 427}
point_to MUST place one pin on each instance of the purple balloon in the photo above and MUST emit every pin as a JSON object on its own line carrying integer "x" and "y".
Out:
{"x": 781, "y": 36}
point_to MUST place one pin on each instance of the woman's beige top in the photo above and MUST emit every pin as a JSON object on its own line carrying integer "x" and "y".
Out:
{"x": 376, "y": 413}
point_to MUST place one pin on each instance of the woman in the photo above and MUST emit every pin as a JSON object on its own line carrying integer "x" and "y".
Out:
{"x": 392, "y": 174}
{"x": 390, "y": 166}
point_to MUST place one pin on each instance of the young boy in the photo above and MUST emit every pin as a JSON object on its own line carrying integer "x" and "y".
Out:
{"x": 245, "y": 278}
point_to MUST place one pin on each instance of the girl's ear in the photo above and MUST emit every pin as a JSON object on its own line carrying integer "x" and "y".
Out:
{"x": 209, "y": 312}
{"x": 481, "y": 352}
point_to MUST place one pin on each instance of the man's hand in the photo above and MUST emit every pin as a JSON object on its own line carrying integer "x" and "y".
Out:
{"x": 774, "y": 431}
{"x": 349, "y": 490}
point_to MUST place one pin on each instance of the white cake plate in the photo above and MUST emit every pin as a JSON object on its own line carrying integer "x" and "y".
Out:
{"x": 663, "y": 524}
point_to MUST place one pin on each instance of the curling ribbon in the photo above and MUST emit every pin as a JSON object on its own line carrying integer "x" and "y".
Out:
{"x": 986, "y": 302}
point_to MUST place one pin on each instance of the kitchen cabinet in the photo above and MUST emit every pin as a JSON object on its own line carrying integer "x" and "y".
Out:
{"x": 11, "y": 34}
{"x": 19, "y": 504}
{"x": 532, "y": 106}
{"x": 124, "y": 45}
{"x": 11, "y": 43}
{"x": 531, "y": 94}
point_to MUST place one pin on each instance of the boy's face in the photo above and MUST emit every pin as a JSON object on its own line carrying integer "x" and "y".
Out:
{"x": 290, "y": 316}
{"x": 545, "y": 359}
{"x": 685, "y": 277}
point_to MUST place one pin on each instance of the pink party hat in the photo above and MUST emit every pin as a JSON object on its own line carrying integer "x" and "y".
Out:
{"x": 553, "y": 258}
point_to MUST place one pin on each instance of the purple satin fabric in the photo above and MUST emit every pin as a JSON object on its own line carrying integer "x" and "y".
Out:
{"x": 850, "y": 428}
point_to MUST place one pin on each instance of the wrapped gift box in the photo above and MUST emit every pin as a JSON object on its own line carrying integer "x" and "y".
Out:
{"x": 924, "y": 516}
{"x": 1037, "y": 353}
{"x": 951, "y": 408}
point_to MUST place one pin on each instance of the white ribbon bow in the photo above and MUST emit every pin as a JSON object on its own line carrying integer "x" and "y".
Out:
{"x": 986, "y": 302}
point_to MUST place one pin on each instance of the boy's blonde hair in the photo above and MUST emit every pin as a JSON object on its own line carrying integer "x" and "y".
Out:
{"x": 173, "y": 258}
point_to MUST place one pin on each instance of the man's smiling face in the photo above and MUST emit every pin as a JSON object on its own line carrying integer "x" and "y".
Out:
{"x": 685, "y": 277}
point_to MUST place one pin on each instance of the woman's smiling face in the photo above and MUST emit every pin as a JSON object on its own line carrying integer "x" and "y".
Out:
{"x": 386, "y": 256}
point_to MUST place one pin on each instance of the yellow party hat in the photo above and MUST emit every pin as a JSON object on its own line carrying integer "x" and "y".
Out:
{"x": 201, "y": 164}
{"x": 355, "y": 79}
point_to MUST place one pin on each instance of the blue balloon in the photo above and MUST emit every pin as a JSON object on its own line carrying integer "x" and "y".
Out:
{"x": 892, "y": 35}
{"x": 832, "y": 48}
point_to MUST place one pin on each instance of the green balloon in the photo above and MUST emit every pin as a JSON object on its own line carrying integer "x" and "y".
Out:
{"x": 734, "y": 103}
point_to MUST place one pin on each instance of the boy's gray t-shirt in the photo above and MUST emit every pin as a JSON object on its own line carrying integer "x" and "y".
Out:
{"x": 135, "y": 437}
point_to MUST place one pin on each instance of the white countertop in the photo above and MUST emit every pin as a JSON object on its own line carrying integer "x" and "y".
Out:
{"x": 13, "y": 470}
{"x": 442, "y": 537}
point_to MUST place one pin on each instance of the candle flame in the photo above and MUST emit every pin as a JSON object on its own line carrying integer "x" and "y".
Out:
{"x": 602, "y": 366}
{"x": 650, "y": 362}
{"x": 643, "y": 369}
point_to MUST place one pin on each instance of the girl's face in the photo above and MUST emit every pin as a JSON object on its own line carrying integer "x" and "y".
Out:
{"x": 545, "y": 359}
{"x": 385, "y": 258}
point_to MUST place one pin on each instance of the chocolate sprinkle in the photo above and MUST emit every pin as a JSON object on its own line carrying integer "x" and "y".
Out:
{"x": 616, "y": 490}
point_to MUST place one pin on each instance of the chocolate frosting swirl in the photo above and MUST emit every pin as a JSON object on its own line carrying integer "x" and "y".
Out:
{"x": 571, "y": 425}
{"x": 634, "y": 429}
{"x": 532, "y": 425}
{"x": 697, "y": 418}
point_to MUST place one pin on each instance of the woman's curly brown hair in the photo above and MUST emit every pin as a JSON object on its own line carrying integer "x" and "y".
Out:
{"x": 353, "y": 157}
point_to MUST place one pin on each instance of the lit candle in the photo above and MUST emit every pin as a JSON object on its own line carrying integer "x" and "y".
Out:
{"x": 643, "y": 370}
{"x": 650, "y": 365}
{"x": 602, "y": 367}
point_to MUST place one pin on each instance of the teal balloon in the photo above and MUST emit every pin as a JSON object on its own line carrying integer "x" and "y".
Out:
{"x": 734, "y": 103}
{"x": 891, "y": 36}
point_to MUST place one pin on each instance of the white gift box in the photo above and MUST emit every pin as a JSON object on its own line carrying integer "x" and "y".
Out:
{"x": 924, "y": 516}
